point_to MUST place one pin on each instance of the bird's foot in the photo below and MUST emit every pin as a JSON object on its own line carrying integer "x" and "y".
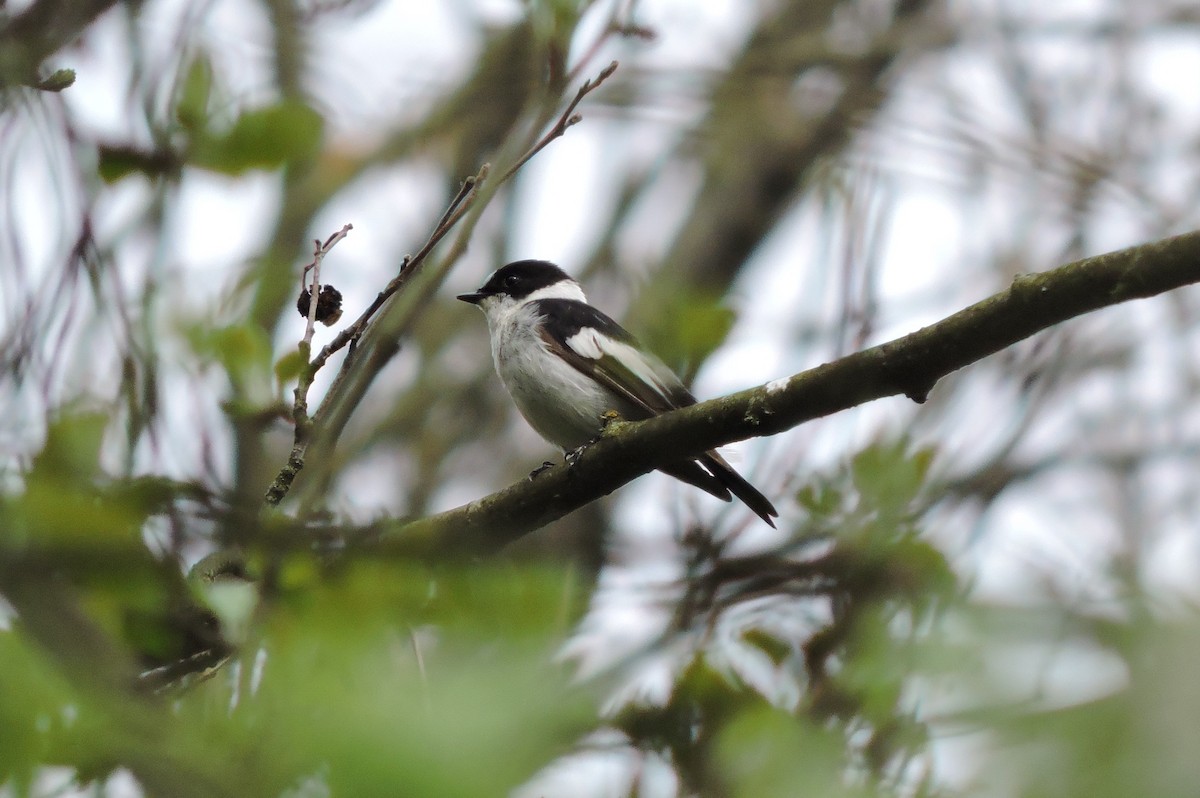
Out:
{"x": 610, "y": 420}
{"x": 572, "y": 456}
{"x": 545, "y": 465}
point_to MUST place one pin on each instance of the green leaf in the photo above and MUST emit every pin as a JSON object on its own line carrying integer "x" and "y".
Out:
{"x": 192, "y": 107}
{"x": 263, "y": 138}
{"x": 241, "y": 346}
{"x": 72, "y": 448}
{"x": 922, "y": 570}
{"x": 888, "y": 478}
{"x": 689, "y": 324}
{"x": 765, "y": 753}
{"x": 242, "y": 349}
{"x": 402, "y": 703}
{"x": 290, "y": 366}
{"x": 31, "y": 709}
{"x": 820, "y": 499}
{"x": 58, "y": 80}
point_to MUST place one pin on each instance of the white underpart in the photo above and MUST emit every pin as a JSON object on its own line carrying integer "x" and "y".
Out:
{"x": 233, "y": 601}
{"x": 561, "y": 403}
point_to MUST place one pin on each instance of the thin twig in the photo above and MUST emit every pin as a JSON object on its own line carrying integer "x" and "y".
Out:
{"x": 303, "y": 423}
{"x": 565, "y": 120}
{"x": 314, "y": 289}
{"x": 454, "y": 211}
{"x": 300, "y": 418}
{"x": 619, "y": 24}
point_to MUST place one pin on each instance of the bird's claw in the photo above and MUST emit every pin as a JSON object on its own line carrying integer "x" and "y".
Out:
{"x": 610, "y": 420}
{"x": 607, "y": 419}
{"x": 572, "y": 456}
{"x": 545, "y": 465}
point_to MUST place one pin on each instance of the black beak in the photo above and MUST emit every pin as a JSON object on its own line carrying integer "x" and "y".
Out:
{"x": 475, "y": 297}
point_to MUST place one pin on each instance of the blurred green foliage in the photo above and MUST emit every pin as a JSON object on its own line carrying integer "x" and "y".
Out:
{"x": 376, "y": 676}
{"x": 381, "y": 675}
{"x": 769, "y": 755}
{"x": 243, "y": 351}
{"x": 376, "y": 673}
{"x": 267, "y": 137}
{"x": 261, "y": 138}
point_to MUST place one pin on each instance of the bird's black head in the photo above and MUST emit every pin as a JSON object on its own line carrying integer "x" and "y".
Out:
{"x": 518, "y": 280}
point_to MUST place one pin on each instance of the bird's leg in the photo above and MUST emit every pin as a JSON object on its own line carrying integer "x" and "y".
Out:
{"x": 607, "y": 418}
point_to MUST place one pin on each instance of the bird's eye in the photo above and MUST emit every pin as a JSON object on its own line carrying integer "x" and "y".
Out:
{"x": 511, "y": 281}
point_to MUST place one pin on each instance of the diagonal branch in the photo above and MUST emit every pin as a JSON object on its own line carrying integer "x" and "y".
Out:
{"x": 909, "y": 366}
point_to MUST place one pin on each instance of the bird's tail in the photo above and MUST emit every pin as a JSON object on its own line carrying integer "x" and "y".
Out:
{"x": 715, "y": 476}
{"x": 739, "y": 487}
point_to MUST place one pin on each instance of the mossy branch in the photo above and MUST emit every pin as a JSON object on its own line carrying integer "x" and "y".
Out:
{"x": 909, "y": 366}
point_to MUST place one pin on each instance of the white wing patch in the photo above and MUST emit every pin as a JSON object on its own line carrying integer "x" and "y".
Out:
{"x": 646, "y": 368}
{"x": 587, "y": 343}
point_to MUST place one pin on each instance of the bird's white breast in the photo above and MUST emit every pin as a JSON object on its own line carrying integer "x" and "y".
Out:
{"x": 561, "y": 403}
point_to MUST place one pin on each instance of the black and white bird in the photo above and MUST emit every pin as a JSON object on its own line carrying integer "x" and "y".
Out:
{"x": 566, "y": 364}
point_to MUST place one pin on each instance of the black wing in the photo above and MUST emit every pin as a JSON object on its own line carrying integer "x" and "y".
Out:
{"x": 605, "y": 351}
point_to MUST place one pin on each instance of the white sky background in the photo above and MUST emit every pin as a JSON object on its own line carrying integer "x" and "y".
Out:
{"x": 1052, "y": 536}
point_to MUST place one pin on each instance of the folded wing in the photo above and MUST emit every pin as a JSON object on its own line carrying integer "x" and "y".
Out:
{"x": 600, "y": 348}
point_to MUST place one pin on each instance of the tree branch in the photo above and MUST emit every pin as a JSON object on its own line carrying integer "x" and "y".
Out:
{"x": 567, "y": 119}
{"x": 40, "y": 30}
{"x": 910, "y": 366}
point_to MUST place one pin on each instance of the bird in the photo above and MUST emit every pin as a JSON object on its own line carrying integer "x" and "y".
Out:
{"x": 567, "y": 366}
{"x": 222, "y": 584}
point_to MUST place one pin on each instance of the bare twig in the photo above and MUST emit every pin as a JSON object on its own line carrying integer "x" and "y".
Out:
{"x": 182, "y": 673}
{"x": 454, "y": 211}
{"x": 619, "y": 24}
{"x": 303, "y": 423}
{"x": 565, "y": 120}
{"x": 314, "y": 289}
{"x": 300, "y": 418}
